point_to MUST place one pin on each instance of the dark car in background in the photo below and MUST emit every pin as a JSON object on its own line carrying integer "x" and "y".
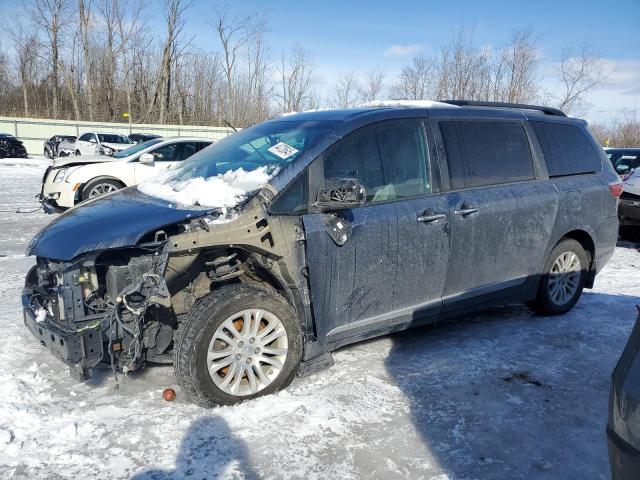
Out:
{"x": 11, "y": 147}
{"x": 52, "y": 147}
{"x": 624, "y": 160}
{"x": 260, "y": 255}
{"x": 623, "y": 427}
{"x": 143, "y": 137}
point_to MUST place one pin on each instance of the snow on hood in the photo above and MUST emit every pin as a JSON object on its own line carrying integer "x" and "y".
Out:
{"x": 224, "y": 191}
{"x": 82, "y": 159}
{"x": 406, "y": 104}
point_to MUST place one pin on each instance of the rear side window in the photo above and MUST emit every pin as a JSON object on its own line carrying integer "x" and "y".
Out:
{"x": 486, "y": 153}
{"x": 566, "y": 149}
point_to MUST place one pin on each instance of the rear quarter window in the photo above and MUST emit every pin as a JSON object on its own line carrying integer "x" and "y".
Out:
{"x": 486, "y": 153}
{"x": 567, "y": 149}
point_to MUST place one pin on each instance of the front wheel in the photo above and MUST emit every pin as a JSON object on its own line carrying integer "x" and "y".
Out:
{"x": 563, "y": 279}
{"x": 238, "y": 342}
{"x": 97, "y": 188}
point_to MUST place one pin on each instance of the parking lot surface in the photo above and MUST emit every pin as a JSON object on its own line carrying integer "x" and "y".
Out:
{"x": 495, "y": 395}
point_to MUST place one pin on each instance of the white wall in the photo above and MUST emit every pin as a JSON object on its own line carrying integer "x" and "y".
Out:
{"x": 33, "y": 132}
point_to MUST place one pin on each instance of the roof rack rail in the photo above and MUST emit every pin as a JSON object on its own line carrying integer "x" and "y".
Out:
{"x": 475, "y": 103}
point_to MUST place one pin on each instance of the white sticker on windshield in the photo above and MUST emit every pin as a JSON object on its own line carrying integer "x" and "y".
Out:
{"x": 283, "y": 150}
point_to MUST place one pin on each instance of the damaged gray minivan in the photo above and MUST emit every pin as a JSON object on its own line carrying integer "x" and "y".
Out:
{"x": 263, "y": 253}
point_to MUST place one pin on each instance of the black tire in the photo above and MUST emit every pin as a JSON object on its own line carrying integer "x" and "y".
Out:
{"x": 86, "y": 190}
{"x": 197, "y": 329}
{"x": 543, "y": 304}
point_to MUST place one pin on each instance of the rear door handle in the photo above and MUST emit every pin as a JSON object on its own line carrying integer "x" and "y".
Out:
{"x": 466, "y": 211}
{"x": 431, "y": 218}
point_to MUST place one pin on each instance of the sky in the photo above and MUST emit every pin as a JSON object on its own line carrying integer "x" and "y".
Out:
{"x": 347, "y": 35}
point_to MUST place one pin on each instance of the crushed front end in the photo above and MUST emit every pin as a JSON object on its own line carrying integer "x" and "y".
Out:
{"x": 104, "y": 309}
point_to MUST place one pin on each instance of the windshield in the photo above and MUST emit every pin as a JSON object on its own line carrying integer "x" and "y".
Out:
{"x": 135, "y": 149}
{"x": 109, "y": 138}
{"x": 223, "y": 174}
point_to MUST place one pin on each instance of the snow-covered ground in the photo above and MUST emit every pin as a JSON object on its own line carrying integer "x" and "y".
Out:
{"x": 497, "y": 395}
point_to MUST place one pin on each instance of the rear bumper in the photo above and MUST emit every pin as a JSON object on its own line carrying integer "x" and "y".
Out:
{"x": 80, "y": 349}
{"x": 623, "y": 458}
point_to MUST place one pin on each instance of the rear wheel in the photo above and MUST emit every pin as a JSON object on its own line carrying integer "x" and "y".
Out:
{"x": 97, "y": 188}
{"x": 563, "y": 279}
{"x": 237, "y": 343}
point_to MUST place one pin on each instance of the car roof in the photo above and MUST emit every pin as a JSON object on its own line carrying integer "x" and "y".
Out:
{"x": 184, "y": 139}
{"x": 403, "y": 109}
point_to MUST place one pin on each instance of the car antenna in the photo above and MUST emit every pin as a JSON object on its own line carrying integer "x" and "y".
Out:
{"x": 229, "y": 125}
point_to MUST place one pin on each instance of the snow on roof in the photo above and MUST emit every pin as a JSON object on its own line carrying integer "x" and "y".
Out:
{"x": 406, "y": 104}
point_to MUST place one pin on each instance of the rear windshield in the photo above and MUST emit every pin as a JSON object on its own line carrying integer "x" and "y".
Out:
{"x": 108, "y": 138}
{"x": 136, "y": 148}
{"x": 567, "y": 149}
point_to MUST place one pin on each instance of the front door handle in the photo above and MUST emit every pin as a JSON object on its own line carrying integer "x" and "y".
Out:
{"x": 465, "y": 210}
{"x": 431, "y": 218}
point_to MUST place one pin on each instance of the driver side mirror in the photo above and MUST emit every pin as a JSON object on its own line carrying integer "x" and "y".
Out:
{"x": 92, "y": 140}
{"x": 622, "y": 168}
{"x": 147, "y": 158}
{"x": 340, "y": 193}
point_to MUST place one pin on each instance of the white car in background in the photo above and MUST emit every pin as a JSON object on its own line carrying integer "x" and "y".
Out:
{"x": 71, "y": 180}
{"x": 93, "y": 143}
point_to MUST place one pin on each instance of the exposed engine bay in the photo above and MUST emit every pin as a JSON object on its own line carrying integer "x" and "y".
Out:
{"x": 120, "y": 308}
{"x": 117, "y": 299}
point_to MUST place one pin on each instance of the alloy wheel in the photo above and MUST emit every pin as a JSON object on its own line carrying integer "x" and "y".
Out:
{"x": 102, "y": 189}
{"x": 564, "y": 278}
{"x": 247, "y": 352}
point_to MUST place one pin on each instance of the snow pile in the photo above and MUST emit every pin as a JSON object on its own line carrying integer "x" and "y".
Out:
{"x": 24, "y": 162}
{"x": 223, "y": 191}
{"x": 406, "y": 104}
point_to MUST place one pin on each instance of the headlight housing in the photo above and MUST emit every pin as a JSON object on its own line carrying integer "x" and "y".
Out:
{"x": 106, "y": 151}
{"x": 60, "y": 176}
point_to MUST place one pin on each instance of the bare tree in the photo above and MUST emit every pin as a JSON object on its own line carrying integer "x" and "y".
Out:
{"x": 417, "y": 80}
{"x": 373, "y": 85}
{"x": 295, "y": 73}
{"x": 26, "y": 46}
{"x": 84, "y": 17}
{"x": 514, "y": 72}
{"x": 52, "y": 16}
{"x": 346, "y": 90}
{"x": 174, "y": 13}
{"x": 234, "y": 35}
{"x": 464, "y": 71}
{"x": 626, "y": 132}
{"x": 130, "y": 29}
{"x": 579, "y": 75}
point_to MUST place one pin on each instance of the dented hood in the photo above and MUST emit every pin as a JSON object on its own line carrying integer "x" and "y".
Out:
{"x": 114, "y": 221}
{"x": 82, "y": 160}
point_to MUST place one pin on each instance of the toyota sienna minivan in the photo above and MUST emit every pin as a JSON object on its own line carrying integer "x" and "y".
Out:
{"x": 261, "y": 254}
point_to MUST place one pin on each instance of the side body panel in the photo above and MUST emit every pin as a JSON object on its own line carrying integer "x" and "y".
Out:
{"x": 389, "y": 273}
{"x": 504, "y": 243}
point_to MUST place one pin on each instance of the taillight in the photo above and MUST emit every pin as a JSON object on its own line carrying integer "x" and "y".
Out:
{"x": 616, "y": 189}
